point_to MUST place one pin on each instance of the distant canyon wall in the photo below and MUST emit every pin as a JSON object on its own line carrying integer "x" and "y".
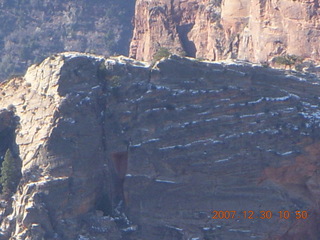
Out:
{"x": 253, "y": 30}
{"x": 30, "y": 31}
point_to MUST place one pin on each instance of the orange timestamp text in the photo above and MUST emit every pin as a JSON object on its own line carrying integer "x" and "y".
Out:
{"x": 259, "y": 215}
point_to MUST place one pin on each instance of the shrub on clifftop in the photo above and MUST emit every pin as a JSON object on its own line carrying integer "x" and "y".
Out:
{"x": 287, "y": 60}
{"x": 161, "y": 53}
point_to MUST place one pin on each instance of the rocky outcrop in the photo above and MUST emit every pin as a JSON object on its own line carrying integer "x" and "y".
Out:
{"x": 252, "y": 30}
{"x": 61, "y": 139}
{"x": 204, "y": 137}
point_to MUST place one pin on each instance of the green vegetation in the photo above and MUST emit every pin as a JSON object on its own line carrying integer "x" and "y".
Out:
{"x": 287, "y": 60}
{"x": 10, "y": 174}
{"x": 161, "y": 53}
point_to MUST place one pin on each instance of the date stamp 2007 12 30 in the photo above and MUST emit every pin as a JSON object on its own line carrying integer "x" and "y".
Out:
{"x": 259, "y": 215}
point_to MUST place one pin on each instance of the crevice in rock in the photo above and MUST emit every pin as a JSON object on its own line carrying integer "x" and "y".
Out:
{"x": 103, "y": 201}
{"x": 188, "y": 46}
{"x": 119, "y": 170}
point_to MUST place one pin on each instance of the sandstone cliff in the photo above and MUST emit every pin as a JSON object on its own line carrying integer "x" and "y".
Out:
{"x": 204, "y": 137}
{"x": 253, "y": 30}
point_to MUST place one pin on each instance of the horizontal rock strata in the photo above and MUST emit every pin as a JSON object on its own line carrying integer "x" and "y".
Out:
{"x": 204, "y": 136}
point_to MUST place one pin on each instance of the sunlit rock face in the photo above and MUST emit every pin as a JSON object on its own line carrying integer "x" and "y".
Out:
{"x": 253, "y": 30}
{"x": 204, "y": 137}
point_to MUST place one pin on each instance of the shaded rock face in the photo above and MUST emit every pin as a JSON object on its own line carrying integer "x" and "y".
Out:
{"x": 213, "y": 29}
{"x": 7, "y": 128}
{"x": 204, "y": 137}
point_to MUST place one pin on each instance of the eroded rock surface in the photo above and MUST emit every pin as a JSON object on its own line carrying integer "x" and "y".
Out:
{"x": 204, "y": 136}
{"x": 254, "y": 30}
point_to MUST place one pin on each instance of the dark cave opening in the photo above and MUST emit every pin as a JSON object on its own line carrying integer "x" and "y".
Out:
{"x": 188, "y": 46}
{"x": 104, "y": 204}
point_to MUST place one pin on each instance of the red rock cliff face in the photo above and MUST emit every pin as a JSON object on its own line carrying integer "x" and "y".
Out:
{"x": 254, "y": 30}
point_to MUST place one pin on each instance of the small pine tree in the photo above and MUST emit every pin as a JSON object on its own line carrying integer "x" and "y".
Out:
{"x": 10, "y": 173}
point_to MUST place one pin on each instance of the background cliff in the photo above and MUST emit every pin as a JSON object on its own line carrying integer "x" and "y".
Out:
{"x": 204, "y": 137}
{"x": 253, "y": 30}
{"x": 32, "y": 30}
